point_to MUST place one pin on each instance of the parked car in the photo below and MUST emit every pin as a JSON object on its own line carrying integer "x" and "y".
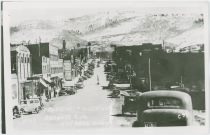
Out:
{"x": 90, "y": 72}
{"x": 81, "y": 79}
{"x": 87, "y": 75}
{"x": 16, "y": 112}
{"x": 84, "y": 77}
{"x": 98, "y": 64}
{"x": 30, "y": 106}
{"x": 114, "y": 94}
{"x": 62, "y": 92}
{"x": 164, "y": 108}
{"x": 91, "y": 66}
{"x": 79, "y": 85}
{"x": 41, "y": 105}
{"x": 70, "y": 90}
{"x": 130, "y": 101}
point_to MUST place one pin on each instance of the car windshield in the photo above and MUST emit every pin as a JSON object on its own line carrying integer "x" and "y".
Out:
{"x": 34, "y": 101}
{"x": 164, "y": 102}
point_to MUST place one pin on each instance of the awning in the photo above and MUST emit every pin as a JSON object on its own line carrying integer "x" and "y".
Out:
{"x": 43, "y": 83}
{"x": 33, "y": 78}
{"x": 54, "y": 76}
{"x": 27, "y": 81}
{"x": 47, "y": 80}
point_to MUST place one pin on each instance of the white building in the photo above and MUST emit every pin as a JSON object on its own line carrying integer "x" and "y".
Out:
{"x": 21, "y": 65}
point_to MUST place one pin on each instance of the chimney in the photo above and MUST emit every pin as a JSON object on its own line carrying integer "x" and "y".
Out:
{"x": 64, "y": 44}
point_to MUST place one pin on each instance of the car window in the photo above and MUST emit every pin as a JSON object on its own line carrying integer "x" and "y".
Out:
{"x": 164, "y": 102}
{"x": 31, "y": 101}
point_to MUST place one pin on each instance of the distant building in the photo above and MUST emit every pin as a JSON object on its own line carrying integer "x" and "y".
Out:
{"x": 64, "y": 51}
{"x": 73, "y": 59}
{"x": 166, "y": 68}
{"x": 45, "y": 62}
{"x": 67, "y": 70}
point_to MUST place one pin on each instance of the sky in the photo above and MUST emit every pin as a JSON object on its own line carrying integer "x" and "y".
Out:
{"x": 23, "y": 11}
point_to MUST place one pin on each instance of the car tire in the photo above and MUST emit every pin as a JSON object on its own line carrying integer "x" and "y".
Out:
{"x": 136, "y": 124}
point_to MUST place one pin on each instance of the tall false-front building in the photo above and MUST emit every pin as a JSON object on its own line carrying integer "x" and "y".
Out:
{"x": 21, "y": 70}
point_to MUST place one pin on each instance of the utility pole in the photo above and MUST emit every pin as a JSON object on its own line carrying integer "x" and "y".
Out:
{"x": 150, "y": 84}
{"x": 39, "y": 45}
{"x": 181, "y": 79}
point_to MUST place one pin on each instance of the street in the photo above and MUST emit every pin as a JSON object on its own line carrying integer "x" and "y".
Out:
{"x": 89, "y": 107}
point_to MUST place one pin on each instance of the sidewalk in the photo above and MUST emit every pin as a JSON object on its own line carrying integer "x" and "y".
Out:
{"x": 66, "y": 83}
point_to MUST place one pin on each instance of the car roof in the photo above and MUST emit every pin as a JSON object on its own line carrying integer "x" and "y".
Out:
{"x": 184, "y": 97}
{"x": 165, "y": 93}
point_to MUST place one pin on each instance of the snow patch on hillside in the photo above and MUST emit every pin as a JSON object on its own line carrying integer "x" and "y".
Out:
{"x": 114, "y": 27}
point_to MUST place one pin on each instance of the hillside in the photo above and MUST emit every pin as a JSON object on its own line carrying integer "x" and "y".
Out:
{"x": 121, "y": 27}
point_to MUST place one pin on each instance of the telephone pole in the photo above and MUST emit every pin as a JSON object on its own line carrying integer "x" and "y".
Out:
{"x": 150, "y": 84}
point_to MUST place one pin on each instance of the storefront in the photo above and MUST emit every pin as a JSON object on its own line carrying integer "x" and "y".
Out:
{"x": 55, "y": 85}
{"x": 27, "y": 90}
{"x": 43, "y": 89}
{"x": 48, "y": 87}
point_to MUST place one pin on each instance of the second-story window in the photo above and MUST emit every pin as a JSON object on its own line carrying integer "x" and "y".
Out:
{"x": 22, "y": 60}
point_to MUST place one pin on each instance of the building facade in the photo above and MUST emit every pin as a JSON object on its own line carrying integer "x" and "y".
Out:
{"x": 46, "y": 63}
{"x": 21, "y": 65}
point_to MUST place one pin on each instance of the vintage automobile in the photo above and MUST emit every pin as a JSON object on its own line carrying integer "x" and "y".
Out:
{"x": 122, "y": 86}
{"x": 16, "y": 112}
{"x": 84, "y": 77}
{"x": 87, "y": 75}
{"x": 30, "y": 106}
{"x": 164, "y": 108}
{"x": 98, "y": 64}
{"x": 62, "y": 92}
{"x": 91, "y": 65}
{"x": 90, "y": 72}
{"x": 115, "y": 94}
{"x": 79, "y": 85}
{"x": 70, "y": 90}
{"x": 41, "y": 105}
{"x": 130, "y": 104}
{"x": 81, "y": 79}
